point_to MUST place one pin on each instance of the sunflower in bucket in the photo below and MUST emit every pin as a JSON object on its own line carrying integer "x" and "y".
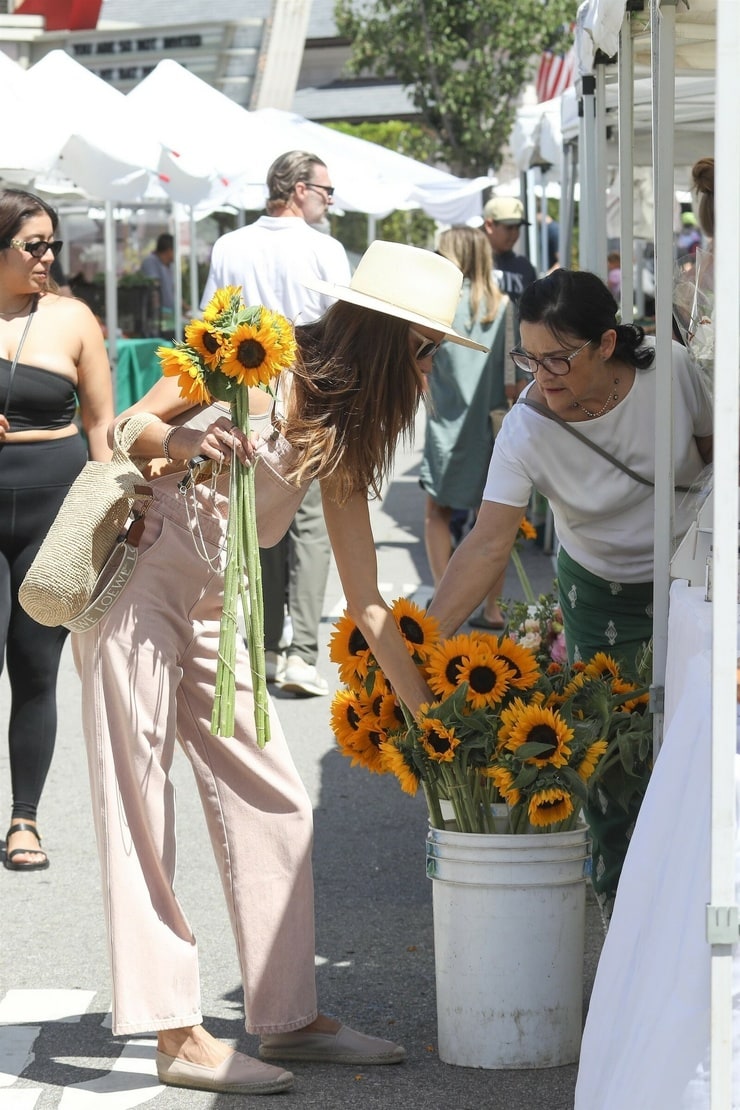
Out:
{"x": 235, "y": 347}
{"x": 501, "y": 730}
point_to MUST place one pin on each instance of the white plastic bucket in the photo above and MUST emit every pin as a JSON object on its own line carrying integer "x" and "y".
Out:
{"x": 509, "y": 926}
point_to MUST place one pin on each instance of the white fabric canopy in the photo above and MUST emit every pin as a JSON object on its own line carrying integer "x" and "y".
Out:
{"x": 175, "y": 138}
{"x": 209, "y": 138}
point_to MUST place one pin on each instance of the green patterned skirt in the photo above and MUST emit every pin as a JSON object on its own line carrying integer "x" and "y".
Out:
{"x": 615, "y": 617}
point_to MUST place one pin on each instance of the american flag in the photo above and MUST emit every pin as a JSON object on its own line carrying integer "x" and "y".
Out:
{"x": 555, "y": 73}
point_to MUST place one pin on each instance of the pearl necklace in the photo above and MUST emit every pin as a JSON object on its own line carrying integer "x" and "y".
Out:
{"x": 611, "y": 399}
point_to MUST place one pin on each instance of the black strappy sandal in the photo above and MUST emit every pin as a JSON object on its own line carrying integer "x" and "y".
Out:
{"x": 23, "y": 826}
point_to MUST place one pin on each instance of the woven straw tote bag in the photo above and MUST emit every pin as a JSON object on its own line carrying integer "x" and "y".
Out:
{"x": 64, "y": 577}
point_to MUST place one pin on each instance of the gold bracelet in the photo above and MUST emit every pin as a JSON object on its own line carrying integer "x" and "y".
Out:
{"x": 166, "y": 444}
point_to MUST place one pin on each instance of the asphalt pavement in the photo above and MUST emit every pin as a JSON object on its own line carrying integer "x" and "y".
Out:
{"x": 374, "y": 934}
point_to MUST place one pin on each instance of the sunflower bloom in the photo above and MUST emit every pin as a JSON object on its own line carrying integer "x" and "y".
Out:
{"x": 527, "y": 531}
{"x": 503, "y": 780}
{"x": 346, "y": 712}
{"x": 256, "y": 353}
{"x": 437, "y": 740}
{"x": 182, "y": 363}
{"x": 284, "y": 335}
{"x": 394, "y": 760}
{"x": 371, "y": 700}
{"x": 548, "y": 807}
{"x": 391, "y": 715}
{"x": 364, "y": 746}
{"x": 521, "y": 661}
{"x": 419, "y": 631}
{"x": 349, "y": 649}
{"x": 602, "y": 665}
{"x": 445, "y": 663}
{"x": 619, "y": 686}
{"x": 207, "y": 341}
{"x": 488, "y": 678}
{"x": 594, "y": 752}
{"x": 540, "y": 725}
{"x": 223, "y": 300}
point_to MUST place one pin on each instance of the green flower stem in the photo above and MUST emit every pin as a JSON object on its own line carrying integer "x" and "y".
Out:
{"x": 435, "y": 810}
{"x": 222, "y": 717}
{"x": 523, "y": 578}
{"x": 242, "y": 557}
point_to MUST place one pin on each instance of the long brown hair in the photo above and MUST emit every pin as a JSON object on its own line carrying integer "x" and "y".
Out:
{"x": 469, "y": 249}
{"x": 356, "y": 389}
{"x": 17, "y": 206}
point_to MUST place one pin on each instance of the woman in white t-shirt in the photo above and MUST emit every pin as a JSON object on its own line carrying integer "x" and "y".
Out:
{"x": 597, "y": 376}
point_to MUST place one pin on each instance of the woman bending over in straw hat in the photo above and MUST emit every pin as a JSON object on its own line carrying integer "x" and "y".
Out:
{"x": 148, "y": 672}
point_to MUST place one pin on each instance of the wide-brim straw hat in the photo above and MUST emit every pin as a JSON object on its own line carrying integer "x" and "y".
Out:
{"x": 408, "y": 282}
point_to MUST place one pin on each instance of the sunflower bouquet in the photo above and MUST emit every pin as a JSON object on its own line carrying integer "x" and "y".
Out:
{"x": 233, "y": 348}
{"x": 501, "y": 730}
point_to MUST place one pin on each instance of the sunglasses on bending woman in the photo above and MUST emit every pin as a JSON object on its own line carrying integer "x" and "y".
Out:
{"x": 427, "y": 348}
{"x": 36, "y": 249}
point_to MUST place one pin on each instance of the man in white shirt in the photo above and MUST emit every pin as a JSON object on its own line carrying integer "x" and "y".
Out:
{"x": 270, "y": 259}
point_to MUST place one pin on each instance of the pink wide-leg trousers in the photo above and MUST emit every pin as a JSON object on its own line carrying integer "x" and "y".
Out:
{"x": 148, "y": 674}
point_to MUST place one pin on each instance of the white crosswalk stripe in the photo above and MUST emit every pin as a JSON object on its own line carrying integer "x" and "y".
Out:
{"x": 130, "y": 1081}
{"x": 115, "y": 1089}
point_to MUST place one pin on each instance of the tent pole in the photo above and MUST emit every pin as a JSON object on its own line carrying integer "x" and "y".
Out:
{"x": 599, "y": 245}
{"x": 194, "y": 290}
{"x": 544, "y": 238}
{"x": 662, "y": 37}
{"x": 722, "y": 914}
{"x": 587, "y": 162}
{"x": 626, "y": 171}
{"x": 177, "y": 267}
{"x": 111, "y": 292}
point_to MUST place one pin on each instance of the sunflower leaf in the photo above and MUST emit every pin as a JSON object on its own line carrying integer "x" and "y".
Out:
{"x": 532, "y": 748}
{"x": 526, "y": 777}
{"x": 573, "y": 781}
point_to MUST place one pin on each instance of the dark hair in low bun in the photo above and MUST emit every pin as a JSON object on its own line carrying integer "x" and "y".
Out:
{"x": 577, "y": 304}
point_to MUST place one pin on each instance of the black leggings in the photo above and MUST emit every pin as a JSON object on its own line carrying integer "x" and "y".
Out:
{"x": 34, "y": 478}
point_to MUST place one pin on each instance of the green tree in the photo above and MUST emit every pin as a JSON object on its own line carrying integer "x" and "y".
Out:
{"x": 465, "y": 62}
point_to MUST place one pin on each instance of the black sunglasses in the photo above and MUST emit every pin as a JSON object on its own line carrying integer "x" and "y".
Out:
{"x": 37, "y": 249}
{"x": 328, "y": 189}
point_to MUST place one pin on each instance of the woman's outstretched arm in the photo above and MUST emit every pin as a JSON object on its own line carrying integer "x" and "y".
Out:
{"x": 476, "y": 565}
{"x": 353, "y": 544}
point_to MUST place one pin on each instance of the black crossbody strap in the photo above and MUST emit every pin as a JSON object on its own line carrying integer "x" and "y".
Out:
{"x": 17, "y": 355}
{"x": 544, "y": 411}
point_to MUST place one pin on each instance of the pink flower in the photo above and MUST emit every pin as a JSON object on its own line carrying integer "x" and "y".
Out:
{"x": 558, "y": 650}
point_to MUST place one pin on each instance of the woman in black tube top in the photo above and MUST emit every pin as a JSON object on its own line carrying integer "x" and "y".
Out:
{"x": 52, "y": 358}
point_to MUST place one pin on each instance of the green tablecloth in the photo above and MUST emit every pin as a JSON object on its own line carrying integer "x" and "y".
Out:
{"x": 138, "y": 369}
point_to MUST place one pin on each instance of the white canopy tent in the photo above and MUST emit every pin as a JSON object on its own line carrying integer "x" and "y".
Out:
{"x": 175, "y": 139}
{"x": 206, "y": 134}
{"x": 694, "y": 85}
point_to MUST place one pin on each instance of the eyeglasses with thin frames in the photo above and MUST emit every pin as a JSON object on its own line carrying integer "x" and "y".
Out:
{"x": 554, "y": 364}
{"x": 328, "y": 189}
{"x": 428, "y": 346}
{"x": 38, "y": 248}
